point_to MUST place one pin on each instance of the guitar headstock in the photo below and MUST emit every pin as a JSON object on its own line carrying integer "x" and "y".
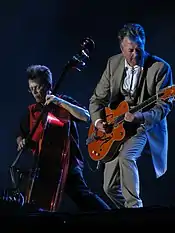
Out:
{"x": 167, "y": 92}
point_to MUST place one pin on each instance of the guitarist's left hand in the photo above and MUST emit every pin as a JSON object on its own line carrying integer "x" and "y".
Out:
{"x": 132, "y": 122}
{"x": 129, "y": 117}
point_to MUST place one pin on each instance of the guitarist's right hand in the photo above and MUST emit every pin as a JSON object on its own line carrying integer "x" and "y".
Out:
{"x": 101, "y": 126}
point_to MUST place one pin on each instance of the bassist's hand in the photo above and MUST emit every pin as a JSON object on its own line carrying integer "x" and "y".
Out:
{"x": 53, "y": 99}
{"x": 20, "y": 143}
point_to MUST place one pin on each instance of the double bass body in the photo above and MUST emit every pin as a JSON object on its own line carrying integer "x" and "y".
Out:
{"x": 47, "y": 178}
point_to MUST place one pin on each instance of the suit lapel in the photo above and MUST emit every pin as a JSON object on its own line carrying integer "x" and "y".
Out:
{"x": 117, "y": 77}
{"x": 140, "y": 87}
{"x": 142, "y": 79}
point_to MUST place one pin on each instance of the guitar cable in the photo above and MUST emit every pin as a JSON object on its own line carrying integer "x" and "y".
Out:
{"x": 97, "y": 166}
{"x": 86, "y": 160}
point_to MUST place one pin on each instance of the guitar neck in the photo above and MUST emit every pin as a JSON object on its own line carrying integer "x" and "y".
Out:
{"x": 137, "y": 108}
{"x": 146, "y": 103}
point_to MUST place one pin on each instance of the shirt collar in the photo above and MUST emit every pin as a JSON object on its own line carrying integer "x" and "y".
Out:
{"x": 130, "y": 67}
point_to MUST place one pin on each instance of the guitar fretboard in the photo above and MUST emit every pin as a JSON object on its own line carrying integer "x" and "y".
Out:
{"x": 144, "y": 104}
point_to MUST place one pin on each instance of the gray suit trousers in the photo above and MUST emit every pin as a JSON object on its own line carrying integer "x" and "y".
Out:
{"x": 121, "y": 176}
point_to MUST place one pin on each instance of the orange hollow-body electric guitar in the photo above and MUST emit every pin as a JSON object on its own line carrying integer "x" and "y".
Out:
{"x": 104, "y": 146}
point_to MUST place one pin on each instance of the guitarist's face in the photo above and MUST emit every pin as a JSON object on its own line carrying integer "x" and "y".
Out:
{"x": 133, "y": 51}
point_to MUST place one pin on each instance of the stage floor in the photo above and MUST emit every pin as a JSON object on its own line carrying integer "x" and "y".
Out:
{"x": 26, "y": 220}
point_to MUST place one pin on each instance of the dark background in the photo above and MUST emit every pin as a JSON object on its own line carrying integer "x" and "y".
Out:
{"x": 49, "y": 32}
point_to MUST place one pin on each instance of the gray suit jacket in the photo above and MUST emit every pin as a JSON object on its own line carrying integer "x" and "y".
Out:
{"x": 156, "y": 75}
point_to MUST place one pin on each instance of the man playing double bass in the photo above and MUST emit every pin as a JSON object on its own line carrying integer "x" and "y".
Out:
{"x": 56, "y": 137}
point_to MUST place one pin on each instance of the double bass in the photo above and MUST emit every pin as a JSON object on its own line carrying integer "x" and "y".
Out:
{"x": 45, "y": 183}
{"x": 46, "y": 179}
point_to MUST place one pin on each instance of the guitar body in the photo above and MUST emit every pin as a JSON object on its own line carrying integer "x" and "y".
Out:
{"x": 104, "y": 146}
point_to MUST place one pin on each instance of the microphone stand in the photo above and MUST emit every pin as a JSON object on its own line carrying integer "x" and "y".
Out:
{"x": 77, "y": 62}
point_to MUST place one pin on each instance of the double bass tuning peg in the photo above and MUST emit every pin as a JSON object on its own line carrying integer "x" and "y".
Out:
{"x": 80, "y": 59}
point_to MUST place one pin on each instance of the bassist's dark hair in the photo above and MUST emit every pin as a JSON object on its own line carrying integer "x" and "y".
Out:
{"x": 41, "y": 73}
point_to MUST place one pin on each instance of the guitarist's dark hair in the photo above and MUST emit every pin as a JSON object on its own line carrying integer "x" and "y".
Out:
{"x": 131, "y": 30}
